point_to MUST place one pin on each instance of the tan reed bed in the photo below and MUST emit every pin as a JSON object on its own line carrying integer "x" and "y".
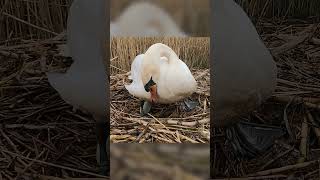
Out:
{"x": 295, "y": 106}
{"x": 166, "y": 123}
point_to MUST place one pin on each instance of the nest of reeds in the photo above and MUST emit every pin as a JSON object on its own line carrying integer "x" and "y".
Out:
{"x": 41, "y": 137}
{"x": 295, "y": 107}
{"x": 165, "y": 123}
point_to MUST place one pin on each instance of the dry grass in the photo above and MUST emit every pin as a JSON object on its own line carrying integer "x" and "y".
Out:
{"x": 295, "y": 106}
{"x": 167, "y": 124}
{"x": 193, "y": 51}
{"x": 32, "y": 19}
{"x": 160, "y": 161}
{"x": 283, "y": 8}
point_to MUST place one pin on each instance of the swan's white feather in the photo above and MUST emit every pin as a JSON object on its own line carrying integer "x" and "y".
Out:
{"x": 174, "y": 79}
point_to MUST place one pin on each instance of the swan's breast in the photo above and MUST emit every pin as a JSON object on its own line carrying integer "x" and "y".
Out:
{"x": 136, "y": 88}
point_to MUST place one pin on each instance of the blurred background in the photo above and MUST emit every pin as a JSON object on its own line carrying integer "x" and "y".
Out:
{"x": 192, "y": 16}
{"x": 24, "y": 20}
{"x": 159, "y": 161}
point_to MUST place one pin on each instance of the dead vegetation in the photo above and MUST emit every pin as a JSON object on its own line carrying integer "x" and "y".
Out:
{"x": 295, "y": 106}
{"x": 281, "y": 9}
{"x": 21, "y": 19}
{"x": 40, "y": 135}
{"x": 166, "y": 123}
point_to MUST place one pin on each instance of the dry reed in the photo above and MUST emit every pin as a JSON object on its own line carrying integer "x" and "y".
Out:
{"x": 31, "y": 19}
{"x": 280, "y": 9}
{"x": 193, "y": 51}
{"x": 40, "y": 134}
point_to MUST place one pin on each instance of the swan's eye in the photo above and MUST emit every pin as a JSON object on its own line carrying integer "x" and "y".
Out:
{"x": 149, "y": 84}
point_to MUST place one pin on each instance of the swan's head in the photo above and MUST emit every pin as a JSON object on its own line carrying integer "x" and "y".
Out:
{"x": 150, "y": 79}
{"x": 151, "y": 87}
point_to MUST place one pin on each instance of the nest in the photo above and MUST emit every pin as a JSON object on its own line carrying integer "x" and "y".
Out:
{"x": 165, "y": 123}
{"x": 295, "y": 107}
{"x": 41, "y": 137}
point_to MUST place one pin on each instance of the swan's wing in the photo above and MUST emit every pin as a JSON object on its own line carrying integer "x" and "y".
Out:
{"x": 136, "y": 88}
{"x": 244, "y": 68}
{"x": 84, "y": 83}
{"x": 136, "y": 67}
{"x": 63, "y": 50}
{"x": 86, "y": 30}
{"x": 238, "y": 50}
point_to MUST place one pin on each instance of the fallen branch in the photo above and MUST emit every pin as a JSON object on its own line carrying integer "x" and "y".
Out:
{"x": 307, "y": 33}
{"x": 27, "y": 126}
{"x": 304, "y": 139}
{"x": 53, "y": 165}
{"x": 285, "y": 168}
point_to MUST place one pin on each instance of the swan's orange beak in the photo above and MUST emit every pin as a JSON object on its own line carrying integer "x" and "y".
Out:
{"x": 154, "y": 95}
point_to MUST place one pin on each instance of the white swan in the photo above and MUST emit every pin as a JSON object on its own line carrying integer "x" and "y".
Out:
{"x": 159, "y": 76}
{"x": 84, "y": 84}
{"x": 144, "y": 19}
{"x": 244, "y": 70}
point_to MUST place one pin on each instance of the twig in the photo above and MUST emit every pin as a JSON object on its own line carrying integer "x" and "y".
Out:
{"x": 28, "y": 126}
{"x": 29, "y": 165}
{"x": 54, "y": 165}
{"x": 285, "y": 168}
{"x": 13, "y": 55}
{"x": 255, "y": 178}
{"x": 27, "y": 23}
{"x": 304, "y": 139}
{"x": 297, "y": 100}
{"x": 315, "y": 129}
{"x": 9, "y": 141}
{"x": 286, "y": 120}
{"x": 274, "y": 159}
{"x": 295, "y": 42}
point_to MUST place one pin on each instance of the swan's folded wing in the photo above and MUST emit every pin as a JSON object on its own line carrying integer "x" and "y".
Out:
{"x": 61, "y": 85}
{"x": 82, "y": 88}
{"x": 136, "y": 67}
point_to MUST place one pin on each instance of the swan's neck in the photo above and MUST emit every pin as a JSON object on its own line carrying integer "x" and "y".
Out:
{"x": 160, "y": 51}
